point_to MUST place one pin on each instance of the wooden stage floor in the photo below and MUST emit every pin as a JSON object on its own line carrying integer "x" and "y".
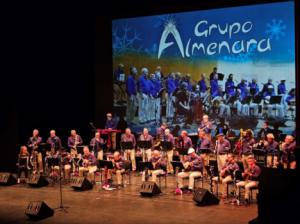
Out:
{"x": 118, "y": 206}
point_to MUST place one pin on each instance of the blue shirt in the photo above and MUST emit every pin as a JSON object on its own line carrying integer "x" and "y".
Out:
{"x": 254, "y": 87}
{"x": 214, "y": 87}
{"x": 111, "y": 124}
{"x": 202, "y": 86}
{"x": 281, "y": 88}
{"x": 171, "y": 85}
{"x": 144, "y": 84}
{"x": 229, "y": 87}
{"x": 130, "y": 86}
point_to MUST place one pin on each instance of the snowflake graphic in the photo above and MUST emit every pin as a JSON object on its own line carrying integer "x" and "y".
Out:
{"x": 125, "y": 39}
{"x": 275, "y": 29}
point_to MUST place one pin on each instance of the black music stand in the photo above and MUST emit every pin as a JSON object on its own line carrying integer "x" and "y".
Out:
{"x": 257, "y": 99}
{"x": 182, "y": 151}
{"x": 145, "y": 166}
{"x": 53, "y": 161}
{"x": 247, "y": 100}
{"x": 275, "y": 100}
{"x": 144, "y": 144}
{"x": 126, "y": 145}
{"x": 166, "y": 146}
{"x": 205, "y": 150}
{"x": 43, "y": 148}
{"x": 79, "y": 149}
{"x": 177, "y": 165}
{"x": 106, "y": 165}
{"x": 220, "y": 76}
{"x": 212, "y": 170}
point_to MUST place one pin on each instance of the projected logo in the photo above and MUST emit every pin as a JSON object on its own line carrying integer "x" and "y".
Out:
{"x": 168, "y": 61}
{"x": 203, "y": 30}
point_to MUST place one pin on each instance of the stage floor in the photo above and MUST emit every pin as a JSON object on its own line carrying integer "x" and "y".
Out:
{"x": 118, "y": 206}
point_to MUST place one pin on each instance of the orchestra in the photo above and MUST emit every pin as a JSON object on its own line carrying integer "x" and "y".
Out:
{"x": 210, "y": 145}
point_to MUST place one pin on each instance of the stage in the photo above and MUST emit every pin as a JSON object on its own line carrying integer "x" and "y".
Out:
{"x": 118, "y": 206}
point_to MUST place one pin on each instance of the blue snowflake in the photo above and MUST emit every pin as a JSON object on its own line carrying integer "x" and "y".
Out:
{"x": 124, "y": 40}
{"x": 275, "y": 29}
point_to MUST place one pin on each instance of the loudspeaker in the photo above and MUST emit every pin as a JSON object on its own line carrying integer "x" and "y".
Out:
{"x": 149, "y": 189}
{"x": 38, "y": 210}
{"x": 81, "y": 183}
{"x": 36, "y": 180}
{"x": 7, "y": 179}
{"x": 204, "y": 197}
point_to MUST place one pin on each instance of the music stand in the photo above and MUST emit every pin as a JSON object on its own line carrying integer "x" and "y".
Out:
{"x": 43, "y": 148}
{"x": 126, "y": 145}
{"x": 220, "y": 76}
{"x": 106, "y": 164}
{"x": 143, "y": 144}
{"x": 177, "y": 165}
{"x": 182, "y": 151}
{"x": 205, "y": 150}
{"x": 212, "y": 170}
{"x": 166, "y": 146}
{"x": 247, "y": 100}
{"x": 79, "y": 149}
{"x": 53, "y": 161}
{"x": 257, "y": 99}
{"x": 145, "y": 166}
{"x": 275, "y": 99}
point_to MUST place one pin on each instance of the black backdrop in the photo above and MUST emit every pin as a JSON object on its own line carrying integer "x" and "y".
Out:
{"x": 58, "y": 65}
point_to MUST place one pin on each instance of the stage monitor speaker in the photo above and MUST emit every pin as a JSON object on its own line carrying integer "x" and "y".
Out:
{"x": 7, "y": 179}
{"x": 36, "y": 180}
{"x": 38, "y": 210}
{"x": 204, "y": 197}
{"x": 149, "y": 189}
{"x": 81, "y": 183}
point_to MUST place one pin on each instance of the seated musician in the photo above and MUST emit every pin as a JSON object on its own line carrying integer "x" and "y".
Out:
{"x": 288, "y": 148}
{"x": 272, "y": 150}
{"x": 145, "y": 136}
{"x": 159, "y": 164}
{"x": 129, "y": 153}
{"x": 222, "y": 149}
{"x": 290, "y": 101}
{"x": 33, "y": 143}
{"x": 227, "y": 172}
{"x": 23, "y": 162}
{"x": 73, "y": 141}
{"x": 89, "y": 164}
{"x": 119, "y": 167}
{"x": 250, "y": 176}
{"x": 204, "y": 143}
{"x": 169, "y": 138}
{"x": 96, "y": 145}
{"x": 248, "y": 142}
{"x": 193, "y": 168}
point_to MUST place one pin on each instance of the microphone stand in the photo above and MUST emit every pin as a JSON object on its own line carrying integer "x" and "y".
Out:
{"x": 61, "y": 206}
